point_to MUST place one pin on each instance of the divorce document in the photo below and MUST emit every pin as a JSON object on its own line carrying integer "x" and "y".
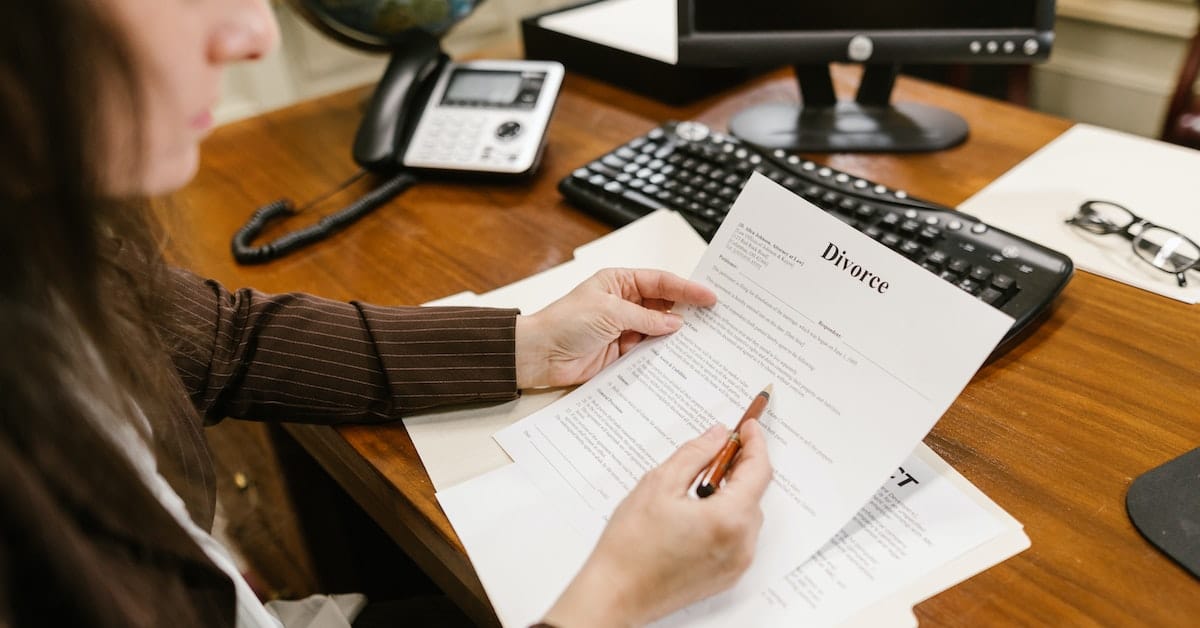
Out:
{"x": 865, "y": 351}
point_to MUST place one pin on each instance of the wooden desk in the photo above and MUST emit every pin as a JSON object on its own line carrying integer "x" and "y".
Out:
{"x": 1054, "y": 431}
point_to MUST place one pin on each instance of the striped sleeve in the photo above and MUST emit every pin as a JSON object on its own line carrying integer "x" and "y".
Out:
{"x": 297, "y": 357}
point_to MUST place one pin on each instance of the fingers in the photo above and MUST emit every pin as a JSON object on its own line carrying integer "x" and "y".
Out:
{"x": 751, "y": 473}
{"x": 627, "y": 316}
{"x": 686, "y": 463}
{"x": 659, "y": 284}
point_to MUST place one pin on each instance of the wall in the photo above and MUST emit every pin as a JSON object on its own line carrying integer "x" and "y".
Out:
{"x": 308, "y": 64}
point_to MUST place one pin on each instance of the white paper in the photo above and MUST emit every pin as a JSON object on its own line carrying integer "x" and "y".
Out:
{"x": 456, "y": 444}
{"x": 526, "y": 553}
{"x": 1153, "y": 179}
{"x": 861, "y": 362}
{"x": 644, "y": 27}
{"x": 917, "y": 521}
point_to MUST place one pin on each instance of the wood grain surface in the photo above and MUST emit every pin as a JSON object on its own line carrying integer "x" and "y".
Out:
{"x": 1103, "y": 390}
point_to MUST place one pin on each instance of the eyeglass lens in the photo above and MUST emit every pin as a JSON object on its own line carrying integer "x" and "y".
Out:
{"x": 1103, "y": 217}
{"x": 1166, "y": 249}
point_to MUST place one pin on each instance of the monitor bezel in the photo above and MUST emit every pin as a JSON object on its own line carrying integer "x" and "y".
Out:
{"x": 930, "y": 46}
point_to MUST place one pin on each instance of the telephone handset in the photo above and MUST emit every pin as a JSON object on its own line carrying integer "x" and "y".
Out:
{"x": 429, "y": 114}
{"x": 397, "y": 104}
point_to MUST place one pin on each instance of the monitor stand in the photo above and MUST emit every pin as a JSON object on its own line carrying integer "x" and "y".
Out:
{"x": 870, "y": 123}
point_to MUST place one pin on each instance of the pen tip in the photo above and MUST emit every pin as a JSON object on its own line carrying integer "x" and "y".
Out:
{"x": 769, "y": 389}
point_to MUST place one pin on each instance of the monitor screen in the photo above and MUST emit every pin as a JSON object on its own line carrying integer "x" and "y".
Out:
{"x": 747, "y": 32}
{"x": 880, "y": 34}
{"x": 862, "y": 15}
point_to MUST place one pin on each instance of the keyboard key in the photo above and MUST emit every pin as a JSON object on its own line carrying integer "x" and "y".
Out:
{"x": 613, "y": 187}
{"x": 581, "y": 173}
{"x": 604, "y": 169}
{"x": 637, "y": 183}
{"x": 613, "y": 161}
{"x": 991, "y": 296}
{"x": 624, "y": 177}
{"x": 704, "y": 169}
{"x": 1003, "y": 283}
{"x": 929, "y": 235}
{"x": 865, "y": 210}
{"x": 625, "y": 152}
{"x": 910, "y": 227}
{"x": 657, "y": 178}
{"x": 711, "y": 187}
{"x": 889, "y": 220}
{"x": 948, "y": 276}
{"x": 597, "y": 180}
{"x": 641, "y": 199}
{"x": 732, "y": 179}
{"x": 642, "y": 159}
{"x": 848, "y": 205}
{"x": 655, "y": 164}
{"x": 650, "y": 188}
{"x": 890, "y": 240}
{"x": 959, "y": 266}
{"x": 969, "y": 286}
{"x": 937, "y": 258}
{"x": 981, "y": 274}
{"x": 911, "y": 249}
{"x": 873, "y": 232}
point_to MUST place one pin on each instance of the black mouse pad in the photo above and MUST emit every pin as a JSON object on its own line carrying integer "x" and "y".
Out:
{"x": 1164, "y": 505}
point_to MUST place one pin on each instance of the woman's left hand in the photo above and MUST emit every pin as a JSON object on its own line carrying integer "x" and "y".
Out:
{"x": 600, "y": 320}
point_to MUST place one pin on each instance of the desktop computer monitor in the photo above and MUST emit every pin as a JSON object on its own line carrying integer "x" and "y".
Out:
{"x": 881, "y": 35}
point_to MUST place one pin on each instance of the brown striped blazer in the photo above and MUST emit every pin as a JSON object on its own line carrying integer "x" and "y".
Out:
{"x": 69, "y": 556}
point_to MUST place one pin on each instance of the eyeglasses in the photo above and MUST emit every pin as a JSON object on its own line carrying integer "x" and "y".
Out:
{"x": 1163, "y": 248}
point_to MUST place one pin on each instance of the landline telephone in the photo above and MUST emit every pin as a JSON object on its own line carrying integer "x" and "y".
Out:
{"x": 429, "y": 115}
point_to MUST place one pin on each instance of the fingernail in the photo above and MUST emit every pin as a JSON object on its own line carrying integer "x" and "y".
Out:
{"x": 674, "y": 321}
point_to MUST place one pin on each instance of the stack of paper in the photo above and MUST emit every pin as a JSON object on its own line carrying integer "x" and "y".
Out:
{"x": 794, "y": 313}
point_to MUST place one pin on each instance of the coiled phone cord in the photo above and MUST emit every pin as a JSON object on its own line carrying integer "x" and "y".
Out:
{"x": 244, "y": 253}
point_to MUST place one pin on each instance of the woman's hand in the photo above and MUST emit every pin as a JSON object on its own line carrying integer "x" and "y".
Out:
{"x": 600, "y": 320}
{"x": 664, "y": 549}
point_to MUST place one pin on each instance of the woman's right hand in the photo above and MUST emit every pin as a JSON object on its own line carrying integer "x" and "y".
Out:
{"x": 664, "y": 549}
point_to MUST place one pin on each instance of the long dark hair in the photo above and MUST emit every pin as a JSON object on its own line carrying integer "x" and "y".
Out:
{"x": 80, "y": 272}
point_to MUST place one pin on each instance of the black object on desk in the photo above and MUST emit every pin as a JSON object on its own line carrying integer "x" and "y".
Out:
{"x": 667, "y": 82}
{"x": 688, "y": 168}
{"x": 1164, "y": 505}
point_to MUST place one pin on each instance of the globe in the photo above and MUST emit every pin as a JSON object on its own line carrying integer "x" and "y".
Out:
{"x": 383, "y": 24}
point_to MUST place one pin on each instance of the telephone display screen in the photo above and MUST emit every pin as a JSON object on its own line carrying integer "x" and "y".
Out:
{"x": 483, "y": 87}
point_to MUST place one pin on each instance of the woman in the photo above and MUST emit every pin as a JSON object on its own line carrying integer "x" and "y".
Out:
{"x": 113, "y": 362}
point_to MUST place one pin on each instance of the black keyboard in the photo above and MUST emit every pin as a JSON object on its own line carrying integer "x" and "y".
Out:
{"x": 688, "y": 168}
